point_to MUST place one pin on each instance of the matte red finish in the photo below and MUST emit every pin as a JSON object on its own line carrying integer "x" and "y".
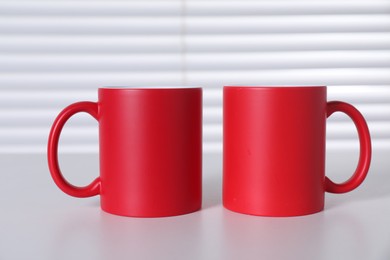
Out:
{"x": 274, "y": 150}
{"x": 150, "y": 151}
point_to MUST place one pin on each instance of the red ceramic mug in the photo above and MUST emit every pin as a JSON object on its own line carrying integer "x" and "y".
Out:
{"x": 274, "y": 149}
{"x": 150, "y": 143}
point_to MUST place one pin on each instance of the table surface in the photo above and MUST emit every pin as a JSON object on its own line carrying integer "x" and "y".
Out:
{"x": 38, "y": 221}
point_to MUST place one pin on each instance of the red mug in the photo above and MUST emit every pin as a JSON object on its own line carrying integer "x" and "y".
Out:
{"x": 150, "y": 143}
{"x": 274, "y": 149}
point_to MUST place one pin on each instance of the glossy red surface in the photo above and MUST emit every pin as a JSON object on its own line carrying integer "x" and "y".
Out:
{"x": 150, "y": 151}
{"x": 274, "y": 150}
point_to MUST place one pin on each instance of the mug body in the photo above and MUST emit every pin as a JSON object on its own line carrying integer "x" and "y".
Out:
{"x": 274, "y": 150}
{"x": 150, "y": 150}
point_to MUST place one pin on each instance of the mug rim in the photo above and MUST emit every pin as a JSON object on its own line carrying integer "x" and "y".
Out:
{"x": 276, "y": 87}
{"x": 116, "y": 88}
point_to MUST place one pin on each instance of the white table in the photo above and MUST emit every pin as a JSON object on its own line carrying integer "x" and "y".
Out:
{"x": 38, "y": 221}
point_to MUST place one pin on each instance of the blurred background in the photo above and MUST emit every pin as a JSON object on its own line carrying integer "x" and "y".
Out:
{"x": 53, "y": 53}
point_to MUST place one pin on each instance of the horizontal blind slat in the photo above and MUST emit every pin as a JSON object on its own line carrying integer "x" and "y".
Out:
{"x": 293, "y": 24}
{"x": 85, "y": 63}
{"x": 209, "y": 61}
{"x": 287, "y": 42}
{"x": 288, "y": 60}
{"x": 90, "y": 25}
{"x": 197, "y": 8}
{"x": 87, "y": 80}
{"x": 356, "y": 76}
{"x": 277, "y": 8}
{"x": 87, "y": 44}
{"x": 338, "y": 76}
{"x": 82, "y": 44}
{"x": 90, "y": 8}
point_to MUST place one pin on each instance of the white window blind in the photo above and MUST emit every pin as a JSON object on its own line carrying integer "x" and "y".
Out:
{"x": 53, "y": 53}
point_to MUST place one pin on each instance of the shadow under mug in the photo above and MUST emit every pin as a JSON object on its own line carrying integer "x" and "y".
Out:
{"x": 150, "y": 143}
{"x": 274, "y": 149}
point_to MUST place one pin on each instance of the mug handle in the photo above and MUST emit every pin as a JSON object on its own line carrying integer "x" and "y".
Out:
{"x": 52, "y": 151}
{"x": 365, "y": 148}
